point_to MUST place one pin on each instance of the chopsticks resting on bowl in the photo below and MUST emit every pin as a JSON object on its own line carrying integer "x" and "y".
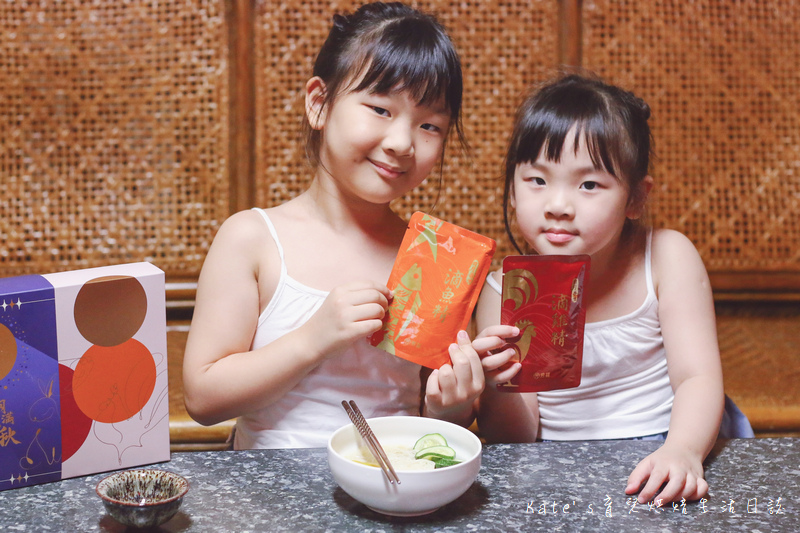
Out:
{"x": 370, "y": 439}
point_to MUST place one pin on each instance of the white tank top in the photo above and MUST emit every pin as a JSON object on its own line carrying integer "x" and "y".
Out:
{"x": 625, "y": 390}
{"x": 305, "y": 417}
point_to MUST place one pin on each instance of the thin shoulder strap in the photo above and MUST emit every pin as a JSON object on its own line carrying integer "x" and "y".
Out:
{"x": 273, "y": 233}
{"x": 490, "y": 281}
{"x": 647, "y": 262}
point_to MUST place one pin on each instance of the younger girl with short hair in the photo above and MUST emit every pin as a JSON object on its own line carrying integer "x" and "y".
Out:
{"x": 288, "y": 296}
{"x": 576, "y": 183}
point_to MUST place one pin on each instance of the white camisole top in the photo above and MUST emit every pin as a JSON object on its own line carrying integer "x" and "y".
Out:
{"x": 305, "y": 417}
{"x": 625, "y": 390}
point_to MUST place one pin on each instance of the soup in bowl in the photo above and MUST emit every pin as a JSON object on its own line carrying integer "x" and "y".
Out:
{"x": 423, "y": 488}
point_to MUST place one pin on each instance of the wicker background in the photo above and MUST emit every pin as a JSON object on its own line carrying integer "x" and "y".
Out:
{"x": 115, "y": 120}
{"x": 722, "y": 80}
{"x": 113, "y": 133}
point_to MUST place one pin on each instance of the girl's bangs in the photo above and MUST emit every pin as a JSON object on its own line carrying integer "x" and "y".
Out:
{"x": 547, "y": 132}
{"x": 419, "y": 64}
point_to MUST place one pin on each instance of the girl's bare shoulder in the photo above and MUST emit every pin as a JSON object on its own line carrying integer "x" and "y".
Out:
{"x": 487, "y": 310}
{"x": 497, "y": 275}
{"x": 243, "y": 253}
{"x": 488, "y": 290}
{"x": 240, "y": 234}
{"x": 675, "y": 259}
{"x": 670, "y": 246}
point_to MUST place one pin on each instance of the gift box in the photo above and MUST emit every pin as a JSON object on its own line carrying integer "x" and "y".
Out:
{"x": 83, "y": 373}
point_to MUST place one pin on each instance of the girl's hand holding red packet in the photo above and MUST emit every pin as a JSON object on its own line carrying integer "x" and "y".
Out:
{"x": 543, "y": 297}
{"x": 498, "y": 358}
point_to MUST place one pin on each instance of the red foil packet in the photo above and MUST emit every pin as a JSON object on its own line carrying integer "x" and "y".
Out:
{"x": 436, "y": 279}
{"x": 543, "y": 297}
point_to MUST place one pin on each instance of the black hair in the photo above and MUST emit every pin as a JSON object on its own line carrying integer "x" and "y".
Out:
{"x": 389, "y": 47}
{"x": 611, "y": 121}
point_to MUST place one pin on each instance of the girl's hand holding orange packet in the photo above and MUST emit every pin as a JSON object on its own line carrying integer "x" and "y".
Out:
{"x": 436, "y": 280}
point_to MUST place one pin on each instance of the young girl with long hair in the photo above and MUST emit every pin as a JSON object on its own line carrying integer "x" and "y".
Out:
{"x": 577, "y": 180}
{"x": 289, "y": 295}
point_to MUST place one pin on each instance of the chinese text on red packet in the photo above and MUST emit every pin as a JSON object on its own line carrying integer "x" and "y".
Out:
{"x": 543, "y": 297}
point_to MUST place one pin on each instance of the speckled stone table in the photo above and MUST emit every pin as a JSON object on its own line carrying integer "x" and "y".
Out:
{"x": 521, "y": 487}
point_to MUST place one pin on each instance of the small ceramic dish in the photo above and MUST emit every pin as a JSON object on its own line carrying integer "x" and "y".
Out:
{"x": 142, "y": 498}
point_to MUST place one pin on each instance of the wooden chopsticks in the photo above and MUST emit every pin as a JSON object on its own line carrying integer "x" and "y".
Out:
{"x": 370, "y": 439}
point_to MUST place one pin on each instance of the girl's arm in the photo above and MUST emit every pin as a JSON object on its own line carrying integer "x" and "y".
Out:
{"x": 223, "y": 378}
{"x": 502, "y": 416}
{"x": 688, "y": 325}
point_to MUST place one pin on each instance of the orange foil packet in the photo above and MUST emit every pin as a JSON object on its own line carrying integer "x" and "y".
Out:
{"x": 436, "y": 279}
{"x": 543, "y": 297}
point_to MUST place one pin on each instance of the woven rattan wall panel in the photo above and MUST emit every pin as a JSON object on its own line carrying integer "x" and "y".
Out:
{"x": 505, "y": 47}
{"x": 722, "y": 79}
{"x": 759, "y": 348}
{"x": 113, "y": 133}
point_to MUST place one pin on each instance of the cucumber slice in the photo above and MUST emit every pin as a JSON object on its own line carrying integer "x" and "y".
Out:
{"x": 430, "y": 440}
{"x": 436, "y": 452}
{"x": 441, "y": 463}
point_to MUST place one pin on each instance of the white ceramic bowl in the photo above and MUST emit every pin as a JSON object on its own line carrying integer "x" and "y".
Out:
{"x": 419, "y": 492}
{"x": 142, "y": 498}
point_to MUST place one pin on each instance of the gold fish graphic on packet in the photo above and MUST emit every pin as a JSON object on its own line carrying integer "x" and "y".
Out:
{"x": 436, "y": 280}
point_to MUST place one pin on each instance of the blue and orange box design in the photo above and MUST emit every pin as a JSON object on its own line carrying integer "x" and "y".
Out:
{"x": 83, "y": 373}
